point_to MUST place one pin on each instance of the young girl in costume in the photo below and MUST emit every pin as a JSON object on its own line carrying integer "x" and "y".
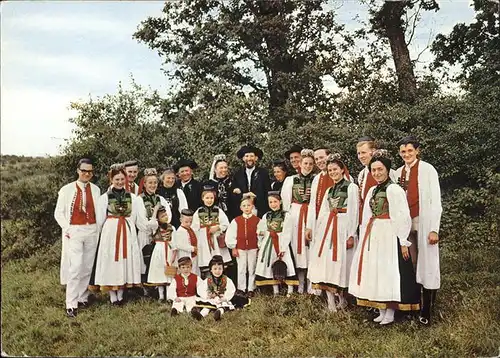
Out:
{"x": 217, "y": 292}
{"x": 331, "y": 252}
{"x": 163, "y": 266}
{"x": 275, "y": 231}
{"x": 209, "y": 222}
{"x": 296, "y": 194}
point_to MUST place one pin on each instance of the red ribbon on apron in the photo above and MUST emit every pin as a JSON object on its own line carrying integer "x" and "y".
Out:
{"x": 332, "y": 218}
{"x": 365, "y": 239}
{"x": 209, "y": 235}
{"x": 302, "y": 222}
{"x": 121, "y": 232}
{"x": 276, "y": 241}
{"x": 165, "y": 242}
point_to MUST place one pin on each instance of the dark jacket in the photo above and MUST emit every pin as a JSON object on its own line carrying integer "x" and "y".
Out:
{"x": 260, "y": 185}
{"x": 192, "y": 190}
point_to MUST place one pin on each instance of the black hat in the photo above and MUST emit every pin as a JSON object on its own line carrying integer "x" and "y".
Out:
{"x": 216, "y": 260}
{"x": 249, "y": 149}
{"x": 184, "y": 260}
{"x": 185, "y": 163}
{"x": 131, "y": 163}
{"x": 161, "y": 209}
{"x": 409, "y": 140}
{"x": 294, "y": 149}
{"x": 208, "y": 186}
{"x": 274, "y": 193}
{"x": 366, "y": 138}
{"x": 187, "y": 212}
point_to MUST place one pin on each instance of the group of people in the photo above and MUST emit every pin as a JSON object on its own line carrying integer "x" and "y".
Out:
{"x": 208, "y": 246}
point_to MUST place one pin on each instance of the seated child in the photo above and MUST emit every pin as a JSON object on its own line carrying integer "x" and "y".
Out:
{"x": 182, "y": 290}
{"x": 241, "y": 237}
{"x": 186, "y": 241}
{"x": 216, "y": 292}
{"x": 163, "y": 265}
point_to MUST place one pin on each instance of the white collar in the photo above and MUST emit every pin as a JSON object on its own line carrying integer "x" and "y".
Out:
{"x": 412, "y": 164}
{"x": 81, "y": 184}
{"x": 186, "y": 183}
{"x": 247, "y": 216}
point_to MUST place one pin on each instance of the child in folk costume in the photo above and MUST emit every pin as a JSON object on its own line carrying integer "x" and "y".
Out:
{"x": 241, "y": 238}
{"x": 421, "y": 182}
{"x": 275, "y": 231}
{"x": 163, "y": 266}
{"x": 118, "y": 213}
{"x": 296, "y": 194}
{"x": 332, "y": 247}
{"x": 382, "y": 274}
{"x": 209, "y": 222}
{"x": 365, "y": 148}
{"x": 186, "y": 241}
{"x": 184, "y": 287}
{"x": 150, "y": 200}
{"x": 217, "y": 292}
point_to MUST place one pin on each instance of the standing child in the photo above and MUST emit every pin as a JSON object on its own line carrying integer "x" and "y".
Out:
{"x": 182, "y": 290}
{"x": 275, "y": 230}
{"x": 209, "y": 222}
{"x": 241, "y": 238}
{"x": 185, "y": 240}
{"x": 163, "y": 264}
{"x": 216, "y": 292}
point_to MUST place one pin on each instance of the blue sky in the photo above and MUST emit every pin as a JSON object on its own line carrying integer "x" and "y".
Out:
{"x": 56, "y": 52}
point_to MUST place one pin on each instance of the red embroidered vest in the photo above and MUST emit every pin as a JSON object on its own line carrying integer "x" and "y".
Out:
{"x": 324, "y": 183}
{"x": 182, "y": 289}
{"x": 246, "y": 234}
{"x": 411, "y": 188}
{"x": 79, "y": 216}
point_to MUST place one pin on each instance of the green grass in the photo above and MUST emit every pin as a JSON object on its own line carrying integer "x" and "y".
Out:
{"x": 467, "y": 324}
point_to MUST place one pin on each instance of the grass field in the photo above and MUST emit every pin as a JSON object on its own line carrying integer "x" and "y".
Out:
{"x": 467, "y": 323}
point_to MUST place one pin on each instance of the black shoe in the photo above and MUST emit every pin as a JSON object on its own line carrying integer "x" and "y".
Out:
{"x": 174, "y": 312}
{"x": 250, "y": 294}
{"x": 71, "y": 312}
{"x": 83, "y": 305}
{"x": 196, "y": 314}
{"x": 217, "y": 315}
{"x": 117, "y": 303}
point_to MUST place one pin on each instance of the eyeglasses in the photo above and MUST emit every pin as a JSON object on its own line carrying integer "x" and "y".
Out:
{"x": 87, "y": 171}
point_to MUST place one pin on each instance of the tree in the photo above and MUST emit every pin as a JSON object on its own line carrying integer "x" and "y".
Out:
{"x": 388, "y": 22}
{"x": 278, "y": 50}
{"x": 474, "y": 47}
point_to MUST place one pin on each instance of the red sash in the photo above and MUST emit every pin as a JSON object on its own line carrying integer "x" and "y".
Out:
{"x": 209, "y": 235}
{"x": 193, "y": 240}
{"x": 365, "y": 239}
{"x": 302, "y": 223}
{"x": 324, "y": 183}
{"x": 276, "y": 241}
{"x": 332, "y": 218}
{"x": 121, "y": 232}
{"x": 369, "y": 181}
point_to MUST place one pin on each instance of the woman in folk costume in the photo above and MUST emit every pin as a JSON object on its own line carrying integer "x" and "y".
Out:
{"x": 119, "y": 213}
{"x": 241, "y": 238}
{"x": 150, "y": 200}
{"x": 421, "y": 182}
{"x": 209, "y": 222}
{"x": 382, "y": 274}
{"x": 219, "y": 177}
{"x": 332, "y": 247}
{"x": 296, "y": 194}
{"x": 275, "y": 234}
{"x": 365, "y": 148}
{"x": 173, "y": 196}
{"x": 75, "y": 214}
{"x": 163, "y": 266}
{"x": 186, "y": 241}
{"x": 217, "y": 293}
{"x": 280, "y": 174}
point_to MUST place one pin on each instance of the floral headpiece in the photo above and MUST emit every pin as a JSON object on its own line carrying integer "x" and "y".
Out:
{"x": 150, "y": 172}
{"x": 307, "y": 153}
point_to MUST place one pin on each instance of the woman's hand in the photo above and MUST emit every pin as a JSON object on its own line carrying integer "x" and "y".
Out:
{"x": 309, "y": 234}
{"x": 350, "y": 242}
{"x": 433, "y": 238}
{"x": 405, "y": 252}
{"x": 235, "y": 252}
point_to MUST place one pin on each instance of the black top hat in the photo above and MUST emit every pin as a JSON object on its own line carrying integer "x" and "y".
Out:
{"x": 249, "y": 149}
{"x": 208, "y": 186}
{"x": 185, "y": 163}
{"x": 187, "y": 212}
{"x": 294, "y": 149}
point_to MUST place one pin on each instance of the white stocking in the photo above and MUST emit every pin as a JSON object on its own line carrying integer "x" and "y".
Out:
{"x": 120, "y": 294}
{"x": 302, "y": 279}
{"x": 330, "y": 296}
{"x": 112, "y": 296}
{"x": 161, "y": 292}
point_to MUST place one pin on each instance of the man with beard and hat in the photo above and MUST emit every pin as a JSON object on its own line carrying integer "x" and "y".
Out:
{"x": 190, "y": 186}
{"x": 252, "y": 178}
{"x": 293, "y": 157}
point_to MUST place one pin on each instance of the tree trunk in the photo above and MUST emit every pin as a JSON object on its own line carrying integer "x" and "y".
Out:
{"x": 389, "y": 22}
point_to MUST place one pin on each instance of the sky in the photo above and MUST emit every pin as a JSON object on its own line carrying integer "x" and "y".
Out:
{"x": 57, "y": 52}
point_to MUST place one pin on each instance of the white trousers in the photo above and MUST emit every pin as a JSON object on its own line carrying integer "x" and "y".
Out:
{"x": 188, "y": 302}
{"x": 80, "y": 250}
{"x": 246, "y": 261}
